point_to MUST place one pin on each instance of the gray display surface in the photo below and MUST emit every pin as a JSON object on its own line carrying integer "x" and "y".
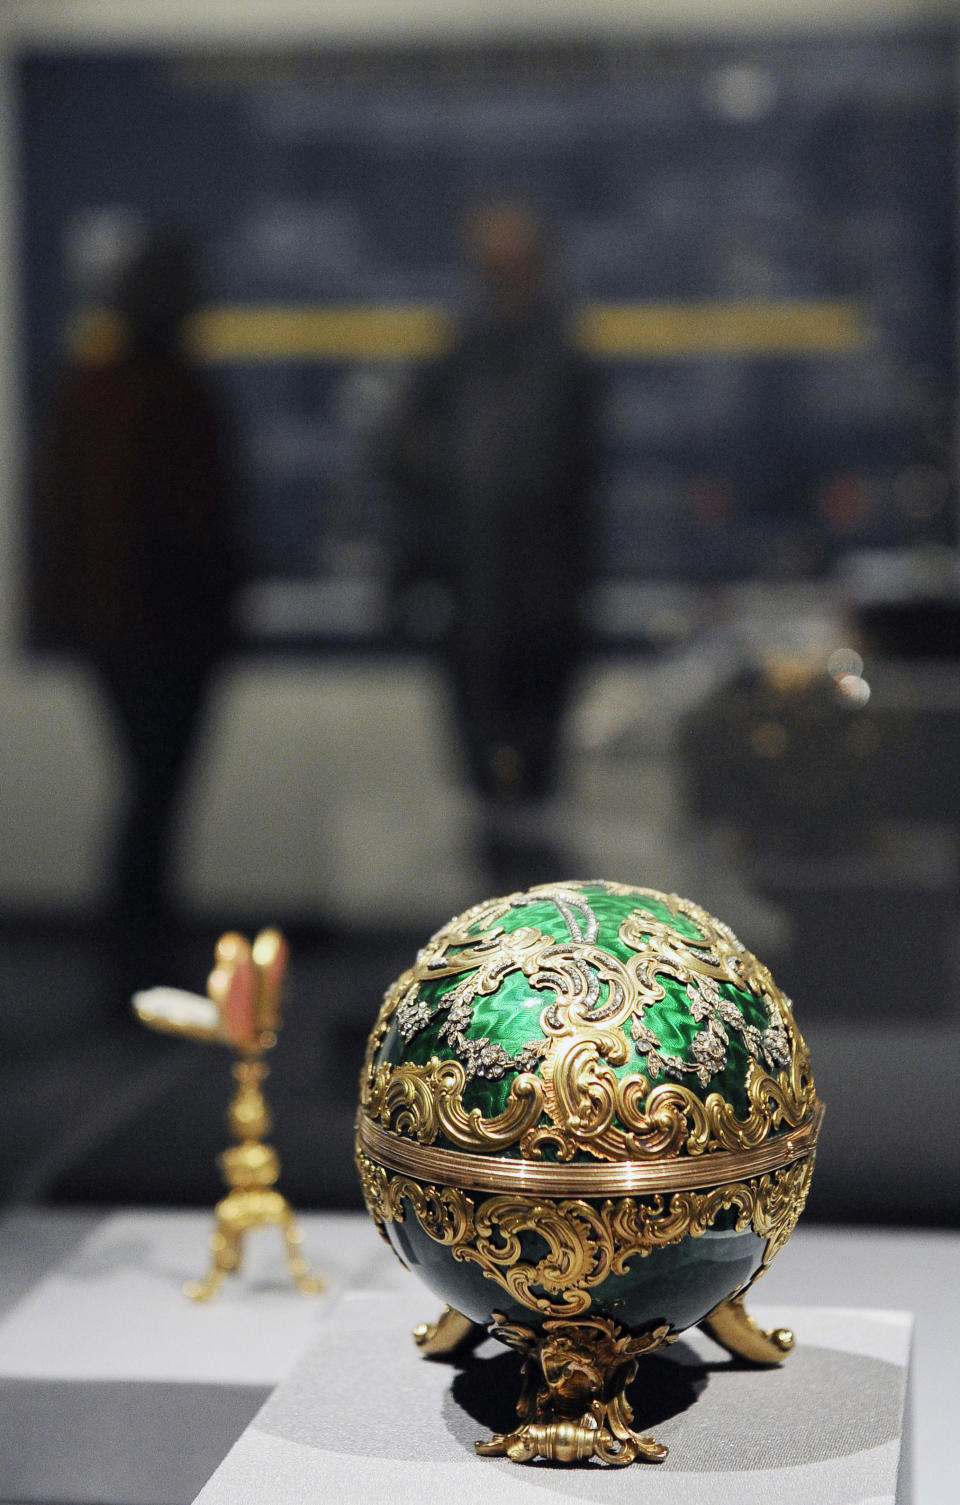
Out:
{"x": 364, "y": 1417}
{"x": 116, "y": 1390}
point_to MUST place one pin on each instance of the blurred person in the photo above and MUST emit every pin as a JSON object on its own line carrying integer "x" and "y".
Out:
{"x": 492, "y": 451}
{"x": 135, "y": 549}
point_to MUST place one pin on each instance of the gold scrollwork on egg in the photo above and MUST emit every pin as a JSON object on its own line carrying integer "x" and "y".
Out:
{"x": 589, "y": 1107}
{"x": 422, "y": 1101}
{"x": 585, "y": 1241}
{"x": 780, "y": 1201}
{"x": 442, "y": 1211}
{"x": 716, "y": 952}
{"x": 566, "y": 1097}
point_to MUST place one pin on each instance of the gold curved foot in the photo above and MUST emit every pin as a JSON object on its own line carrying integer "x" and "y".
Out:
{"x": 731, "y": 1325}
{"x": 226, "y": 1251}
{"x": 203, "y": 1290}
{"x": 452, "y": 1333}
{"x": 572, "y": 1442}
{"x": 303, "y": 1277}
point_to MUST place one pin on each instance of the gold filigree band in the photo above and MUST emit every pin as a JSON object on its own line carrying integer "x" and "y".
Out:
{"x": 585, "y": 1179}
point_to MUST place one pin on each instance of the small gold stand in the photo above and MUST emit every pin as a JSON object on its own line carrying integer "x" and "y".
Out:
{"x": 241, "y": 1009}
{"x": 250, "y": 1169}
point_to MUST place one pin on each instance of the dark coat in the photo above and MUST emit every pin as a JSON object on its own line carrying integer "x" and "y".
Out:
{"x": 134, "y": 546}
{"x": 494, "y": 452}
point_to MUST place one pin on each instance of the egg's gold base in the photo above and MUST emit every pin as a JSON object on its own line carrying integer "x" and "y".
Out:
{"x": 573, "y": 1403}
{"x": 250, "y": 1169}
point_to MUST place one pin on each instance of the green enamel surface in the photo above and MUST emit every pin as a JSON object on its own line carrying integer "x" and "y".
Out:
{"x": 511, "y": 1016}
{"x": 610, "y": 909}
{"x": 673, "y": 1025}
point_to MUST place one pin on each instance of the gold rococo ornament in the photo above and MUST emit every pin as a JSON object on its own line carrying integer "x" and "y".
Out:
{"x": 585, "y": 1241}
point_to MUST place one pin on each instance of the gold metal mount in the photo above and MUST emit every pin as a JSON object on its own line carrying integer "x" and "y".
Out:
{"x": 731, "y": 1325}
{"x": 573, "y": 1404}
{"x": 451, "y": 1334}
{"x": 663, "y": 1174}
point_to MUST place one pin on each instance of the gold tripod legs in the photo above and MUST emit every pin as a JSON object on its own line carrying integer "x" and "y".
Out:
{"x": 573, "y": 1403}
{"x": 227, "y": 1251}
{"x": 239, "y": 1213}
{"x": 452, "y": 1333}
{"x": 299, "y": 1267}
{"x": 250, "y": 1169}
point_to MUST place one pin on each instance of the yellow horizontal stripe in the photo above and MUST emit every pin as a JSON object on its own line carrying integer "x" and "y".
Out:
{"x": 720, "y": 328}
{"x": 378, "y": 331}
{"x": 397, "y": 331}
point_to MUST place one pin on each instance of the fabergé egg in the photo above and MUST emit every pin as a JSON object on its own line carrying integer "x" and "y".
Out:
{"x": 587, "y": 1122}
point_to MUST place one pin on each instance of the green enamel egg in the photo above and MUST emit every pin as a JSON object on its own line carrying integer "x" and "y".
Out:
{"x": 587, "y": 1106}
